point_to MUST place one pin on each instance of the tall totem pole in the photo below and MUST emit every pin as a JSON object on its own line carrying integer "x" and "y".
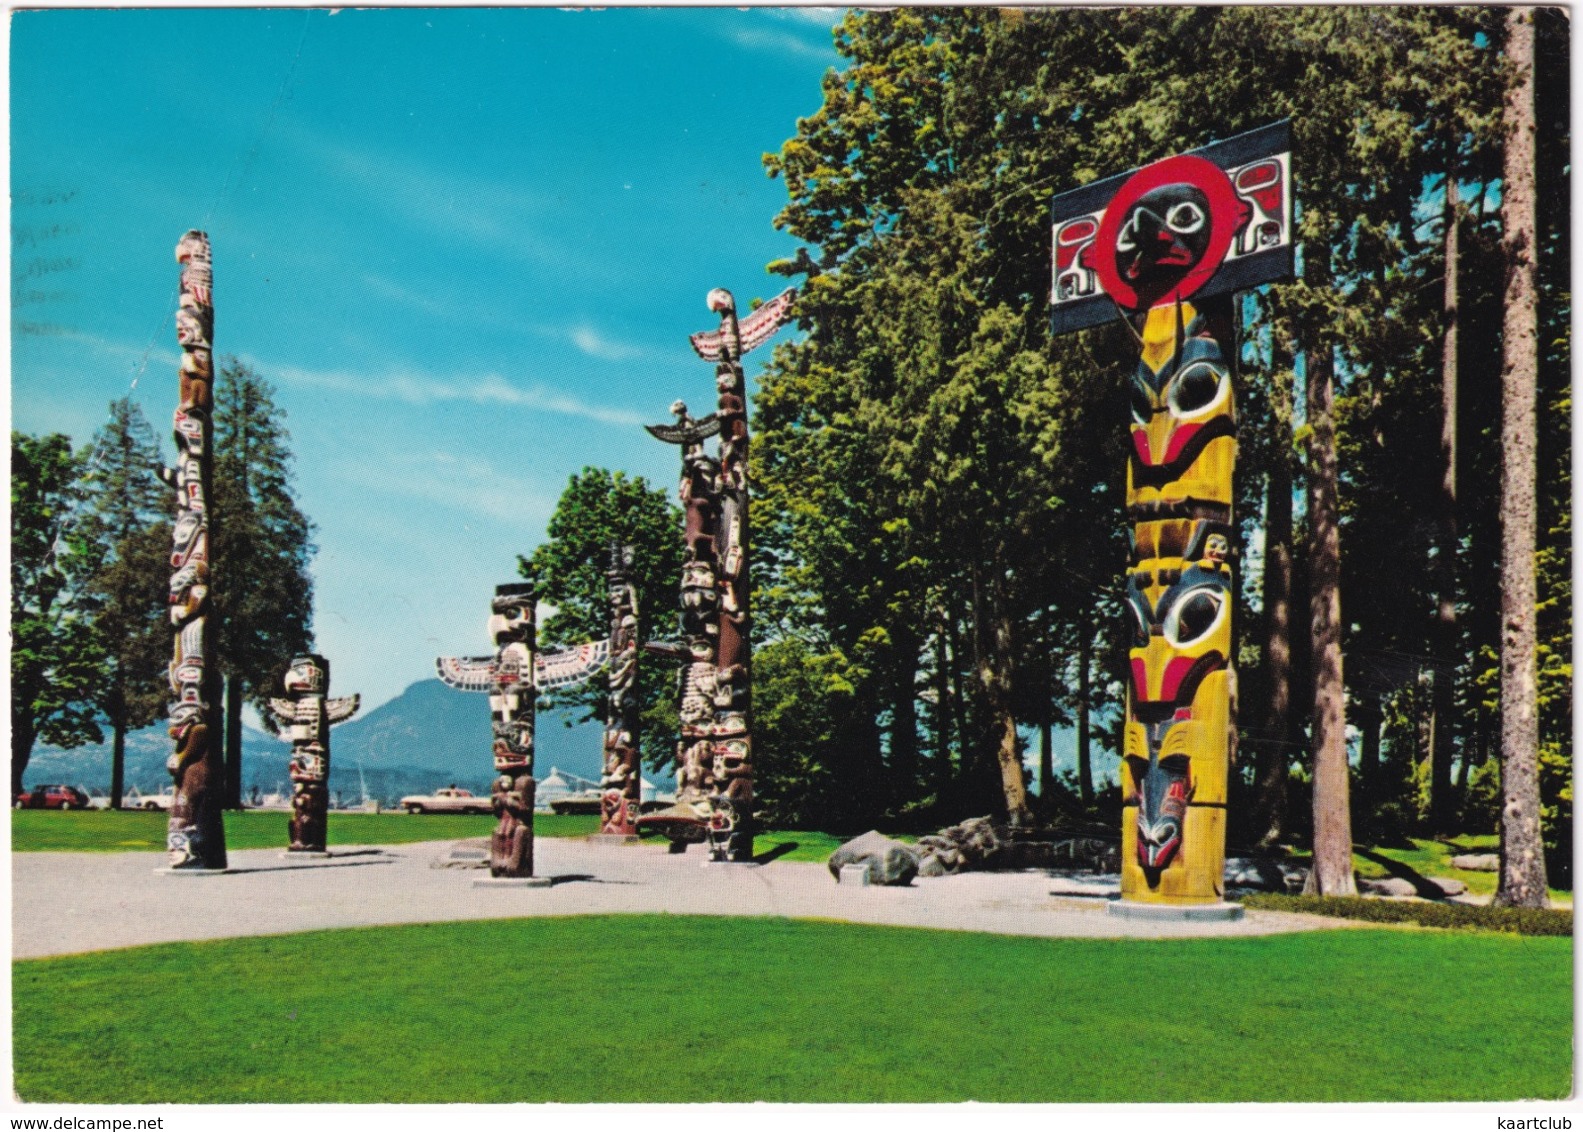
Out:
{"x": 513, "y": 677}
{"x": 195, "y": 838}
{"x": 715, "y": 769}
{"x": 508, "y": 678}
{"x": 621, "y": 782}
{"x": 1166, "y": 247}
{"x": 308, "y": 714}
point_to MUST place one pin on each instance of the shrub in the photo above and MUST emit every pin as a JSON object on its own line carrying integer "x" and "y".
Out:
{"x": 1523, "y": 921}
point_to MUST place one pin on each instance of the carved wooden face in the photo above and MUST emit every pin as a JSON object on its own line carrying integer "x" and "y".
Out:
{"x": 306, "y": 676}
{"x": 1180, "y": 623}
{"x": 1184, "y": 427}
{"x": 511, "y": 620}
{"x": 1163, "y": 236}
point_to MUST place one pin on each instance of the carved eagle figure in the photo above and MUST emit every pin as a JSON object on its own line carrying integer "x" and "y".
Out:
{"x": 337, "y": 710}
{"x": 754, "y": 330}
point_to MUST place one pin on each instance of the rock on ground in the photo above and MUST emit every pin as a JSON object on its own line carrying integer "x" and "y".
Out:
{"x": 888, "y": 861}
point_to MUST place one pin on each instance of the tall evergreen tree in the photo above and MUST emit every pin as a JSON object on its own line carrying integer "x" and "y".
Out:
{"x": 263, "y": 543}
{"x": 127, "y": 590}
{"x": 56, "y": 667}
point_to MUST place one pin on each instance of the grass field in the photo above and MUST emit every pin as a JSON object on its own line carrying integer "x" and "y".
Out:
{"x": 125, "y": 831}
{"x": 784, "y": 1010}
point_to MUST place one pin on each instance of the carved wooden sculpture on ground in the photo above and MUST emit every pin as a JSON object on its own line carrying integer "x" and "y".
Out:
{"x": 1166, "y": 247}
{"x": 621, "y": 782}
{"x": 195, "y": 837}
{"x": 714, "y": 758}
{"x": 307, "y": 715}
{"x": 512, "y": 677}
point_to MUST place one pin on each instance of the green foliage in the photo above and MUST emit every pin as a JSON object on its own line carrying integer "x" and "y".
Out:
{"x": 597, "y": 508}
{"x": 938, "y": 482}
{"x": 56, "y": 666}
{"x": 127, "y": 591}
{"x": 1521, "y": 921}
{"x": 821, "y": 1002}
{"x": 262, "y": 542}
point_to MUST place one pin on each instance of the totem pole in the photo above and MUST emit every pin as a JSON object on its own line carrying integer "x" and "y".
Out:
{"x": 621, "y": 783}
{"x": 694, "y": 816}
{"x": 1166, "y": 247}
{"x": 308, "y": 714}
{"x": 715, "y": 769}
{"x": 513, "y": 677}
{"x": 195, "y": 838}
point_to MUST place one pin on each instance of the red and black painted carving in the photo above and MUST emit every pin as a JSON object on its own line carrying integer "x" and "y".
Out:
{"x": 621, "y": 782}
{"x": 307, "y": 713}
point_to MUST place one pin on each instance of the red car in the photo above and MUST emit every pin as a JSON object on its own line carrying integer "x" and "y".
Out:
{"x": 52, "y": 798}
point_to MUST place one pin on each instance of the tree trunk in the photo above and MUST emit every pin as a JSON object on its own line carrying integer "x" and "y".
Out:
{"x": 23, "y": 734}
{"x": 1522, "y": 878}
{"x": 1332, "y": 871}
{"x": 1442, "y": 810}
{"x": 118, "y": 761}
{"x": 993, "y": 643}
{"x": 1085, "y": 772}
{"x": 1046, "y": 765}
{"x": 233, "y": 743}
{"x": 904, "y": 718}
{"x": 1369, "y": 719}
{"x": 1274, "y": 759}
{"x": 943, "y": 707}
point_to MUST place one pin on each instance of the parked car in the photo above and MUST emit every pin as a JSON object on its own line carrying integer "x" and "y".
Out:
{"x": 52, "y": 797}
{"x": 137, "y": 800}
{"x": 447, "y": 800}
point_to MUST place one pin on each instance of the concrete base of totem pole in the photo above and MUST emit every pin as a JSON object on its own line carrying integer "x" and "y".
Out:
{"x": 614, "y": 838}
{"x": 1179, "y": 913}
{"x": 170, "y": 872}
{"x": 512, "y": 882}
{"x": 309, "y": 854}
{"x": 853, "y": 874}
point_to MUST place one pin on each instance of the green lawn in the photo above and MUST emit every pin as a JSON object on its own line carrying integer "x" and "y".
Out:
{"x": 121, "y": 831}
{"x": 783, "y": 1010}
{"x": 1432, "y": 859}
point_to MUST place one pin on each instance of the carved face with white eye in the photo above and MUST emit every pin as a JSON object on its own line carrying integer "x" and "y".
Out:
{"x": 1180, "y": 624}
{"x": 1177, "y": 412}
{"x": 1164, "y": 235}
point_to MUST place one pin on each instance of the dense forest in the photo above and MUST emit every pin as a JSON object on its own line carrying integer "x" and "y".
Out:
{"x": 938, "y": 518}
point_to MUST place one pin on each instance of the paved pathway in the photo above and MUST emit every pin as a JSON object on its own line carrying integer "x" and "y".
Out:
{"x": 71, "y": 902}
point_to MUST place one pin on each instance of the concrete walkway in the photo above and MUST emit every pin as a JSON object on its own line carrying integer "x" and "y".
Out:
{"x": 72, "y": 902}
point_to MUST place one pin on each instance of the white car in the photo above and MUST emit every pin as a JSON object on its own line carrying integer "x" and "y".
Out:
{"x": 447, "y": 800}
{"x": 134, "y": 799}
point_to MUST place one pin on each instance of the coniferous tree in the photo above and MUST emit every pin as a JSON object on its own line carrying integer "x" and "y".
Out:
{"x": 262, "y": 543}
{"x": 127, "y": 591}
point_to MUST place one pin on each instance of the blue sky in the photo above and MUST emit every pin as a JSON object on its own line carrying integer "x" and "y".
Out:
{"x": 467, "y": 246}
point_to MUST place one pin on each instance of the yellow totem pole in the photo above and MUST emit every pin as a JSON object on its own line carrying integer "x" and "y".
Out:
{"x": 1165, "y": 247}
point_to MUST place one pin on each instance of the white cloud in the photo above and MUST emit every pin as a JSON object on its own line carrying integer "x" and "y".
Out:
{"x": 596, "y": 345}
{"x": 783, "y": 43}
{"x": 463, "y": 483}
{"x": 415, "y": 388}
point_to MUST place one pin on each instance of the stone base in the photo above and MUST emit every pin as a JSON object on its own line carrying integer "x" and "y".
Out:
{"x": 512, "y": 882}
{"x": 1133, "y": 910}
{"x": 853, "y": 874}
{"x": 614, "y": 838}
{"x": 170, "y": 872}
{"x": 310, "y": 854}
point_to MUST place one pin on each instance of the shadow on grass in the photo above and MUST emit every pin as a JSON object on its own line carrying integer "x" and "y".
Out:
{"x": 775, "y": 852}
{"x": 1425, "y": 887}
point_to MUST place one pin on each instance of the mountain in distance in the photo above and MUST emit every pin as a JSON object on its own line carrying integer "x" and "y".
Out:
{"x": 429, "y": 736}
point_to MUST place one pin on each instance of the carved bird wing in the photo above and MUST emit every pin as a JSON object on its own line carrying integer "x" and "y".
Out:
{"x": 563, "y": 667}
{"x": 692, "y": 432}
{"x": 341, "y": 709}
{"x": 757, "y": 327}
{"x": 284, "y": 710}
{"x": 707, "y": 344}
{"x": 467, "y": 673}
